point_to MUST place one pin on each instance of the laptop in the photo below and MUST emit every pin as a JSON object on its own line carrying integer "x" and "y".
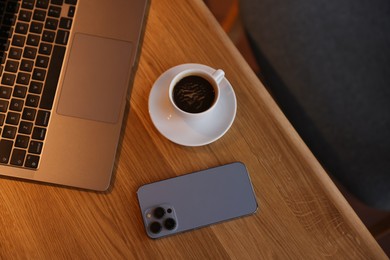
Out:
{"x": 65, "y": 77}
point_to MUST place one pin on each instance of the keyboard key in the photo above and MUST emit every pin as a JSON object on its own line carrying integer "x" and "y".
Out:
{"x": 32, "y": 161}
{"x": 48, "y": 36}
{"x": 35, "y": 147}
{"x": 39, "y": 15}
{"x": 8, "y": 79}
{"x": 25, "y": 127}
{"x": 17, "y": 157}
{"x": 42, "y": 118}
{"x": 71, "y": 2}
{"x": 71, "y": 11}
{"x": 5, "y": 150}
{"x": 5, "y": 92}
{"x": 51, "y": 24}
{"x": 45, "y": 48}
{"x": 35, "y": 87}
{"x": 57, "y": 2}
{"x": 29, "y": 114}
{"x": 28, "y": 4}
{"x": 65, "y": 23}
{"x": 20, "y": 91}
{"x": 32, "y": 100}
{"x": 39, "y": 74}
{"x": 15, "y": 53}
{"x": 36, "y": 27}
{"x": 39, "y": 133}
{"x": 12, "y": 66}
{"x": 33, "y": 40}
{"x": 21, "y": 28}
{"x": 13, "y": 118}
{"x": 16, "y": 105}
{"x": 27, "y": 65}
{"x": 42, "y": 4}
{"x": 42, "y": 61}
{"x": 25, "y": 15}
{"x": 18, "y": 40}
{"x": 9, "y": 132}
{"x": 23, "y": 78}
{"x": 62, "y": 37}
{"x": 3, "y": 105}
{"x": 30, "y": 52}
{"x": 54, "y": 11}
{"x": 22, "y": 141}
{"x": 2, "y": 120}
{"x": 53, "y": 74}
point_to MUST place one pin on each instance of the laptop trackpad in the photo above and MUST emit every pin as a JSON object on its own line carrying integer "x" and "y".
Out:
{"x": 96, "y": 78}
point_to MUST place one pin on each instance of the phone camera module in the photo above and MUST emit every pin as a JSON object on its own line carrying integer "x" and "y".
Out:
{"x": 155, "y": 227}
{"x": 170, "y": 223}
{"x": 160, "y": 220}
{"x": 159, "y": 212}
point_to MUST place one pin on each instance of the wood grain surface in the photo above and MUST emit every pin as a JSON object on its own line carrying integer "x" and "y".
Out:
{"x": 302, "y": 215}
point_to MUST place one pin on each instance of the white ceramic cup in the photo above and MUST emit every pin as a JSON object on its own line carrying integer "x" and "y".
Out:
{"x": 214, "y": 79}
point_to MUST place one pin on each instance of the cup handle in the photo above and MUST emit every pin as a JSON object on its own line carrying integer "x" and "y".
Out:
{"x": 218, "y": 75}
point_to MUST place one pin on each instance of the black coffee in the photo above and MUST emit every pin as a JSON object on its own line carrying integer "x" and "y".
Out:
{"x": 193, "y": 94}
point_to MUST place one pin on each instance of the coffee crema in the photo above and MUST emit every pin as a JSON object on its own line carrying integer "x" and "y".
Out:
{"x": 193, "y": 94}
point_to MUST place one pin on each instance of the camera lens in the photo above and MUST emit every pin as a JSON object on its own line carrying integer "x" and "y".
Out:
{"x": 155, "y": 227}
{"x": 159, "y": 212}
{"x": 170, "y": 223}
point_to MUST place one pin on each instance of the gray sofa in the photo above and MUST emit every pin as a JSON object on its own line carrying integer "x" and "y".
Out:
{"x": 327, "y": 64}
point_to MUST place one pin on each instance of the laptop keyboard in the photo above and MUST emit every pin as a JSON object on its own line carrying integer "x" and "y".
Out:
{"x": 33, "y": 39}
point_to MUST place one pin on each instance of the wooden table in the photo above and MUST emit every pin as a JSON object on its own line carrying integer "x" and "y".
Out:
{"x": 302, "y": 214}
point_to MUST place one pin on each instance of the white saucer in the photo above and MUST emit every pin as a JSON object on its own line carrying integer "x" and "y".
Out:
{"x": 186, "y": 132}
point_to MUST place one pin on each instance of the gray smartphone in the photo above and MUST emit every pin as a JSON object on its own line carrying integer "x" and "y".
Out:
{"x": 197, "y": 199}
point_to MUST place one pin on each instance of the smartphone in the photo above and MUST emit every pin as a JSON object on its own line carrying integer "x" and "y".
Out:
{"x": 196, "y": 200}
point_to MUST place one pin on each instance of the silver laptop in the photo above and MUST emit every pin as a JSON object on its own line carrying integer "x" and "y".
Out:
{"x": 65, "y": 77}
